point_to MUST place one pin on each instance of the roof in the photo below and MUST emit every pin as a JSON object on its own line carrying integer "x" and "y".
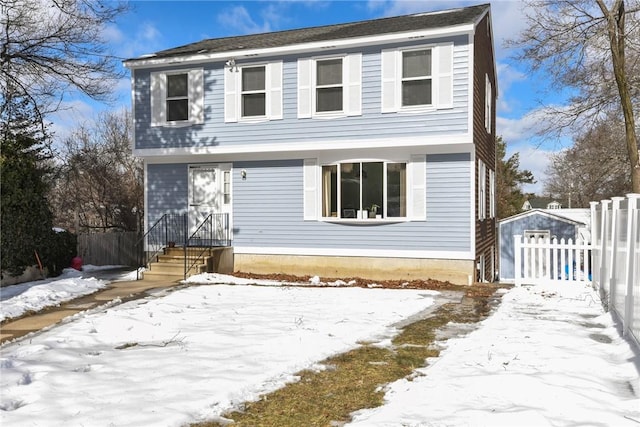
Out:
{"x": 574, "y": 216}
{"x": 398, "y": 24}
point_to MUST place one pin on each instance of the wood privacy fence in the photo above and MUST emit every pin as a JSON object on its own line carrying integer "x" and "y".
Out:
{"x": 108, "y": 248}
{"x": 540, "y": 260}
{"x": 615, "y": 231}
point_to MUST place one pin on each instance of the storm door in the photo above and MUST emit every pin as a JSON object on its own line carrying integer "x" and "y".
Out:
{"x": 209, "y": 193}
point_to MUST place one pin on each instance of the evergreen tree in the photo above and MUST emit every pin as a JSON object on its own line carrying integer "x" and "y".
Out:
{"x": 26, "y": 219}
{"x": 509, "y": 179}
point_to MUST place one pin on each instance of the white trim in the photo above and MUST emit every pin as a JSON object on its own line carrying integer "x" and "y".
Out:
{"x": 447, "y": 142}
{"x": 300, "y": 48}
{"x": 195, "y": 96}
{"x": 355, "y": 252}
{"x": 470, "y": 82}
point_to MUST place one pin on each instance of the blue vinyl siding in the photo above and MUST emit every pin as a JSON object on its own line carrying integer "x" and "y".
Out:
{"x": 215, "y": 132}
{"x": 268, "y": 211}
{"x": 167, "y": 190}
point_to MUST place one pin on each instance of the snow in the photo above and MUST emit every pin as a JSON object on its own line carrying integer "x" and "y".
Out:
{"x": 19, "y": 299}
{"x": 548, "y": 356}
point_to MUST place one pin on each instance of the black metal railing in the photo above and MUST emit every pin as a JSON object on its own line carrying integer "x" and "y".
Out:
{"x": 212, "y": 232}
{"x": 171, "y": 230}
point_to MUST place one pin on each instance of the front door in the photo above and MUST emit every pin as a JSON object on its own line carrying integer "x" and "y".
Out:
{"x": 209, "y": 193}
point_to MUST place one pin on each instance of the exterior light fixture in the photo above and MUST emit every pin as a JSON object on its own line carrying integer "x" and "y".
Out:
{"x": 231, "y": 63}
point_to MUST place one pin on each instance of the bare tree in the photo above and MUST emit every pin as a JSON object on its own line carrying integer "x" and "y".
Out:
{"x": 594, "y": 50}
{"x": 51, "y": 47}
{"x": 99, "y": 187}
{"x": 594, "y": 168}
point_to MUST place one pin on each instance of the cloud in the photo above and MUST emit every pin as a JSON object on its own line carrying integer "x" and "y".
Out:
{"x": 536, "y": 160}
{"x": 238, "y": 19}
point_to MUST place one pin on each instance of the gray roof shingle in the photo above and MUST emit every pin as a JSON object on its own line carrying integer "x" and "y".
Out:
{"x": 420, "y": 21}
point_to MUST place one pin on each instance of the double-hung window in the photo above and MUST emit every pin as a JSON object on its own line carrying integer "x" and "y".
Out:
{"x": 254, "y": 94}
{"x": 329, "y": 90}
{"x": 330, "y": 87}
{"x": 361, "y": 190}
{"x": 417, "y": 79}
{"x": 177, "y": 97}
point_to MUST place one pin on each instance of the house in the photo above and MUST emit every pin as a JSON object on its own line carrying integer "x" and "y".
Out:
{"x": 359, "y": 149}
{"x": 543, "y": 203}
{"x": 553, "y": 223}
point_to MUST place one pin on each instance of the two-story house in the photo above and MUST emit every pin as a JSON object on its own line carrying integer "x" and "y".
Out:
{"x": 359, "y": 149}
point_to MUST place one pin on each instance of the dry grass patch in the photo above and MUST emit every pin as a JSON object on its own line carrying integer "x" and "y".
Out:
{"x": 355, "y": 380}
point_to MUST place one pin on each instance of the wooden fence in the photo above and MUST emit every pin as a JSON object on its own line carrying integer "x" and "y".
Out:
{"x": 615, "y": 230}
{"x": 108, "y": 248}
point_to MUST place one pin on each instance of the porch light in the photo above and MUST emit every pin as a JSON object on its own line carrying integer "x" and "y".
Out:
{"x": 231, "y": 63}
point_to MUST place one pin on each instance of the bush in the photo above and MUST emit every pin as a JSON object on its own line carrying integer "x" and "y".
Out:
{"x": 61, "y": 248}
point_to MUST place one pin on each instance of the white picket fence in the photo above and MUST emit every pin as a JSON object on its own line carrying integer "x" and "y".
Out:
{"x": 615, "y": 230}
{"x": 542, "y": 260}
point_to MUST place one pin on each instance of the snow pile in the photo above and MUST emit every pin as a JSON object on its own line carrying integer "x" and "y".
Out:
{"x": 34, "y": 296}
{"x": 549, "y": 356}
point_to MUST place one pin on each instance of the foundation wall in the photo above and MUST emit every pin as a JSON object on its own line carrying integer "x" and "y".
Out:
{"x": 455, "y": 271}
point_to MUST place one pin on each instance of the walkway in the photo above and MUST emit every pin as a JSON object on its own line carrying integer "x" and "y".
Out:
{"x": 116, "y": 291}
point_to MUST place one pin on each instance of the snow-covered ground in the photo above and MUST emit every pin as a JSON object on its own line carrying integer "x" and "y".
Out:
{"x": 16, "y": 300}
{"x": 548, "y": 356}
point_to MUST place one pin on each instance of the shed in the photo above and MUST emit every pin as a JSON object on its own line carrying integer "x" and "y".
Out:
{"x": 548, "y": 223}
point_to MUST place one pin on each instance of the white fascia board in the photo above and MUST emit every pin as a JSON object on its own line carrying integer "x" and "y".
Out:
{"x": 150, "y": 62}
{"x": 356, "y": 252}
{"x": 432, "y": 145}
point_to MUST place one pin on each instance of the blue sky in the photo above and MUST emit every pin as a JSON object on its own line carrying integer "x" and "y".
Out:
{"x": 156, "y": 25}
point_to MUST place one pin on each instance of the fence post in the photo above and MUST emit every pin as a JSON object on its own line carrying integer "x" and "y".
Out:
{"x": 613, "y": 270}
{"x": 518, "y": 259}
{"x": 632, "y": 226}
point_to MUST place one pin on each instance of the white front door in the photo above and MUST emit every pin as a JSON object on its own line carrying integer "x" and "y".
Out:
{"x": 209, "y": 193}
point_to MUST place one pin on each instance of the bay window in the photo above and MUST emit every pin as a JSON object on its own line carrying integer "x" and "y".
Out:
{"x": 360, "y": 190}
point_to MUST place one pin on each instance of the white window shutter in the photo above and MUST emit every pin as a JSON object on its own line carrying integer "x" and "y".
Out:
{"x": 445, "y": 76}
{"x": 389, "y": 81}
{"x": 304, "y": 88}
{"x": 353, "y": 85}
{"x": 309, "y": 171}
{"x": 158, "y": 97}
{"x": 231, "y": 83}
{"x": 196, "y": 96}
{"x": 487, "y": 103}
{"x": 274, "y": 86}
{"x": 418, "y": 187}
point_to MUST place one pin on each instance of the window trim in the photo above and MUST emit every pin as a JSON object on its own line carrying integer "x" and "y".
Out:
{"x": 442, "y": 78}
{"x": 242, "y": 93}
{"x": 195, "y": 97}
{"x": 482, "y": 190}
{"x": 273, "y": 93}
{"x": 488, "y": 104}
{"x": 168, "y": 98}
{"x": 351, "y": 86}
{"x": 401, "y": 79}
{"x": 315, "y": 86}
{"x": 415, "y": 165}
